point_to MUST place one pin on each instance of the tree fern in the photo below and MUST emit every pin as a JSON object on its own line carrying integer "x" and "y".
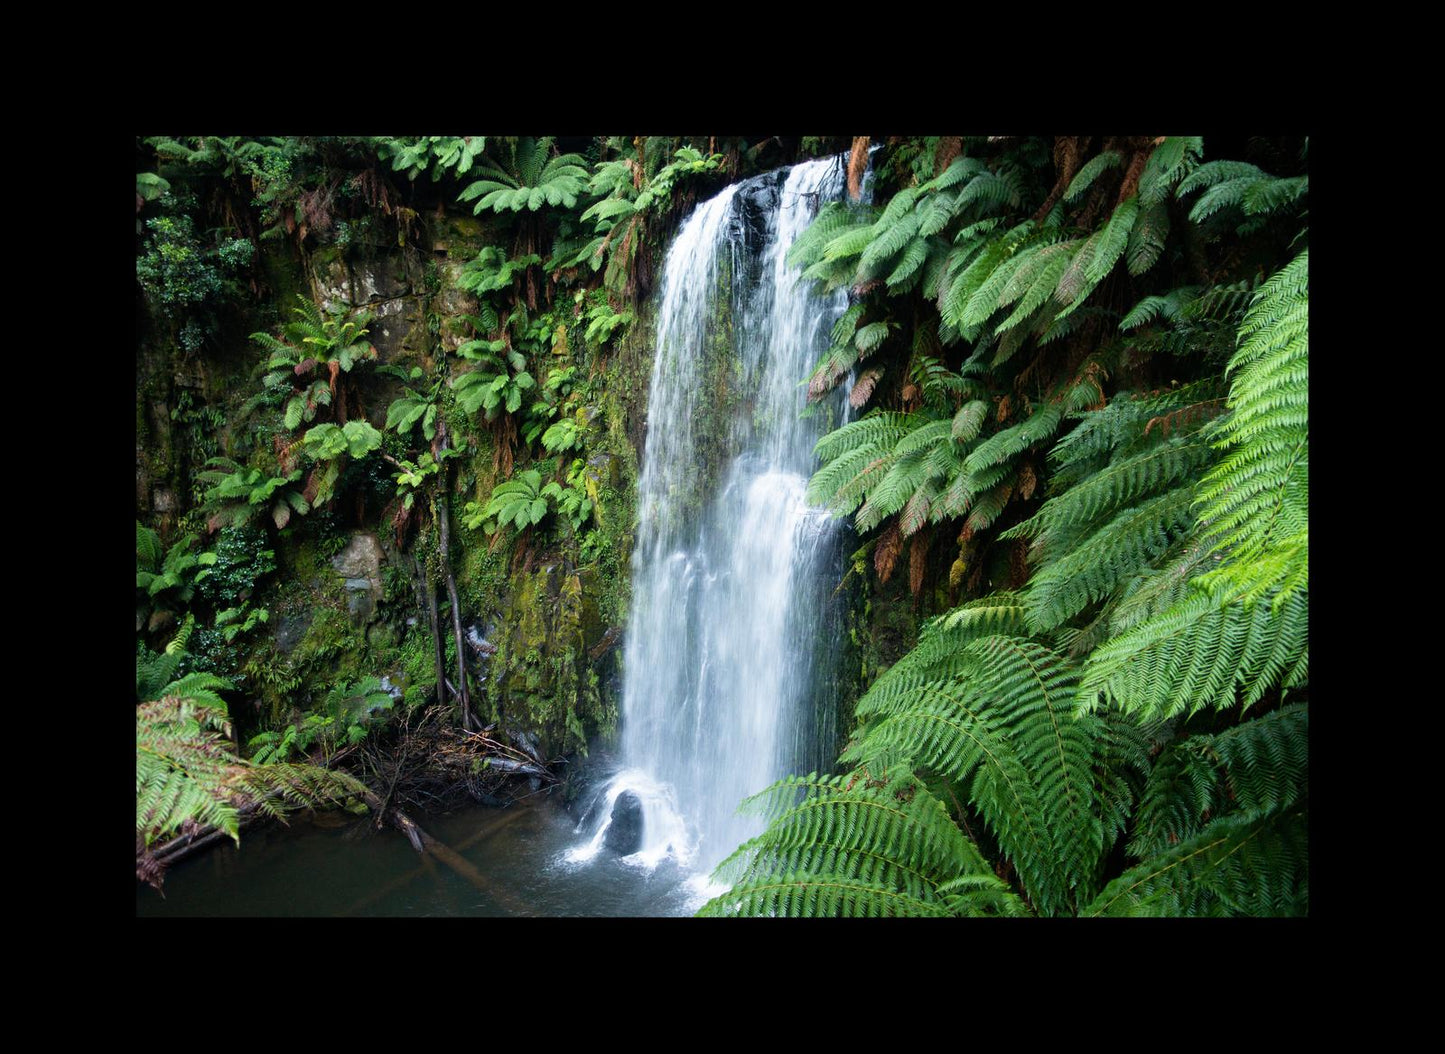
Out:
{"x": 1200, "y": 653}
{"x": 1238, "y": 865}
{"x": 1259, "y": 767}
{"x": 1256, "y": 501}
{"x": 1092, "y": 170}
{"x": 858, "y": 847}
{"x": 1001, "y": 724}
{"x": 1092, "y": 568}
{"x": 1168, "y": 567}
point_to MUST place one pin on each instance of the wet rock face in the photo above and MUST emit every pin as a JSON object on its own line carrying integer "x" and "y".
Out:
{"x": 290, "y": 631}
{"x": 624, "y": 834}
{"x": 360, "y": 564}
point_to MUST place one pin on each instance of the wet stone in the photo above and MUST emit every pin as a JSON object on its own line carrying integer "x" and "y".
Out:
{"x": 624, "y": 833}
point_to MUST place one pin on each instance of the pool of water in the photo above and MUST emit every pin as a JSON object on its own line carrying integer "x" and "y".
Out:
{"x": 509, "y": 861}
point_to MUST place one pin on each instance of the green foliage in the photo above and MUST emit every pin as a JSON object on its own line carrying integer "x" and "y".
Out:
{"x": 1127, "y": 733}
{"x": 573, "y": 502}
{"x": 180, "y": 273}
{"x": 243, "y": 561}
{"x": 859, "y": 847}
{"x": 174, "y": 579}
{"x": 497, "y": 383}
{"x": 1239, "y": 865}
{"x": 232, "y": 622}
{"x": 348, "y": 712}
{"x": 521, "y": 501}
{"x": 436, "y": 154}
{"x": 629, "y": 196}
{"x": 602, "y": 321}
{"x": 238, "y": 495}
{"x": 327, "y": 442}
{"x": 187, "y": 777}
{"x": 1256, "y": 501}
{"x": 527, "y": 177}
{"x": 414, "y": 408}
{"x": 308, "y": 355}
{"x": 491, "y": 271}
{"x": 413, "y": 475}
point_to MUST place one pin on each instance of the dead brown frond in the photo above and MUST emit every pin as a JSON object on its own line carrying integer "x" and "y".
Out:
{"x": 918, "y": 560}
{"x": 1027, "y": 481}
{"x": 1186, "y": 415}
{"x": 863, "y": 388}
{"x": 886, "y": 555}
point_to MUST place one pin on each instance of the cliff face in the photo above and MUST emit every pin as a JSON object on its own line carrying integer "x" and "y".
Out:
{"x": 345, "y": 586}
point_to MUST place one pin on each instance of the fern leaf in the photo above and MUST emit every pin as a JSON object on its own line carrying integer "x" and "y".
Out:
{"x": 1238, "y": 866}
{"x": 1001, "y": 724}
{"x": 1092, "y": 170}
{"x": 1261, "y": 766}
{"x": 1205, "y": 651}
{"x": 1112, "y": 240}
{"x": 857, "y": 847}
{"x": 1257, "y": 498}
{"x": 1094, "y": 567}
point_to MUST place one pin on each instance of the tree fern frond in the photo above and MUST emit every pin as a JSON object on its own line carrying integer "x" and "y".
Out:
{"x": 1042, "y": 277}
{"x": 1147, "y": 239}
{"x": 1205, "y": 651}
{"x": 1119, "y": 485}
{"x": 1113, "y": 239}
{"x": 1094, "y": 567}
{"x": 1012, "y": 441}
{"x": 1257, "y": 498}
{"x": 1092, "y": 170}
{"x": 856, "y": 847}
{"x": 147, "y": 548}
{"x": 1239, "y": 865}
{"x": 1170, "y": 162}
{"x": 965, "y": 287}
{"x": 1261, "y": 766}
{"x": 1265, "y": 197}
{"x": 1163, "y": 308}
{"x": 1001, "y": 724}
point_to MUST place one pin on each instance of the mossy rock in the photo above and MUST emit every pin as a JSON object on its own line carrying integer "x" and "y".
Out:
{"x": 541, "y": 673}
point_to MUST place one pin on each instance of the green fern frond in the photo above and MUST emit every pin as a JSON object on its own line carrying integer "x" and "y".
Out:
{"x": 1012, "y": 441}
{"x": 857, "y": 847}
{"x": 966, "y": 286}
{"x": 1118, "y": 485}
{"x": 1170, "y": 162}
{"x": 1269, "y": 196}
{"x": 147, "y": 548}
{"x": 988, "y": 297}
{"x": 1113, "y": 239}
{"x": 1257, "y": 498}
{"x": 1042, "y": 278}
{"x": 1163, "y": 308}
{"x": 1093, "y": 567}
{"x": 1092, "y": 170}
{"x": 1001, "y": 724}
{"x": 1238, "y": 866}
{"x": 1261, "y": 766}
{"x": 1205, "y": 652}
{"x": 1147, "y": 239}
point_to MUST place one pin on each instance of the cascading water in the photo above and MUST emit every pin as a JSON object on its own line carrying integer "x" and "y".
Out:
{"x": 729, "y": 652}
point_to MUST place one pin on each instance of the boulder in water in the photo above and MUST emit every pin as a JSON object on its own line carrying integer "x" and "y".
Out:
{"x": 624, "y": 833}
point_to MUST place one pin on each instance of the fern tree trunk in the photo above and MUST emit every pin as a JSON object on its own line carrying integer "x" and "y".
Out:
{"x": 443, "y": 520}
{"x": 426, "y": 602}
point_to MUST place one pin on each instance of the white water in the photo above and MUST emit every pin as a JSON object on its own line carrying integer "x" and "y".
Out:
{"x": 729, "y": 648}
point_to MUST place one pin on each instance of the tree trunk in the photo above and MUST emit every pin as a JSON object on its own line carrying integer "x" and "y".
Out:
{"x": 443, "y": 520}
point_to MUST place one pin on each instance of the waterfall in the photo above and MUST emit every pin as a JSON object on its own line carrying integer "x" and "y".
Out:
{"x": 729, "y": 655}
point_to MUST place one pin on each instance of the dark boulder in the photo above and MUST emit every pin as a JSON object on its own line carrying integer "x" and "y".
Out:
{"x": 624, "y": 833}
